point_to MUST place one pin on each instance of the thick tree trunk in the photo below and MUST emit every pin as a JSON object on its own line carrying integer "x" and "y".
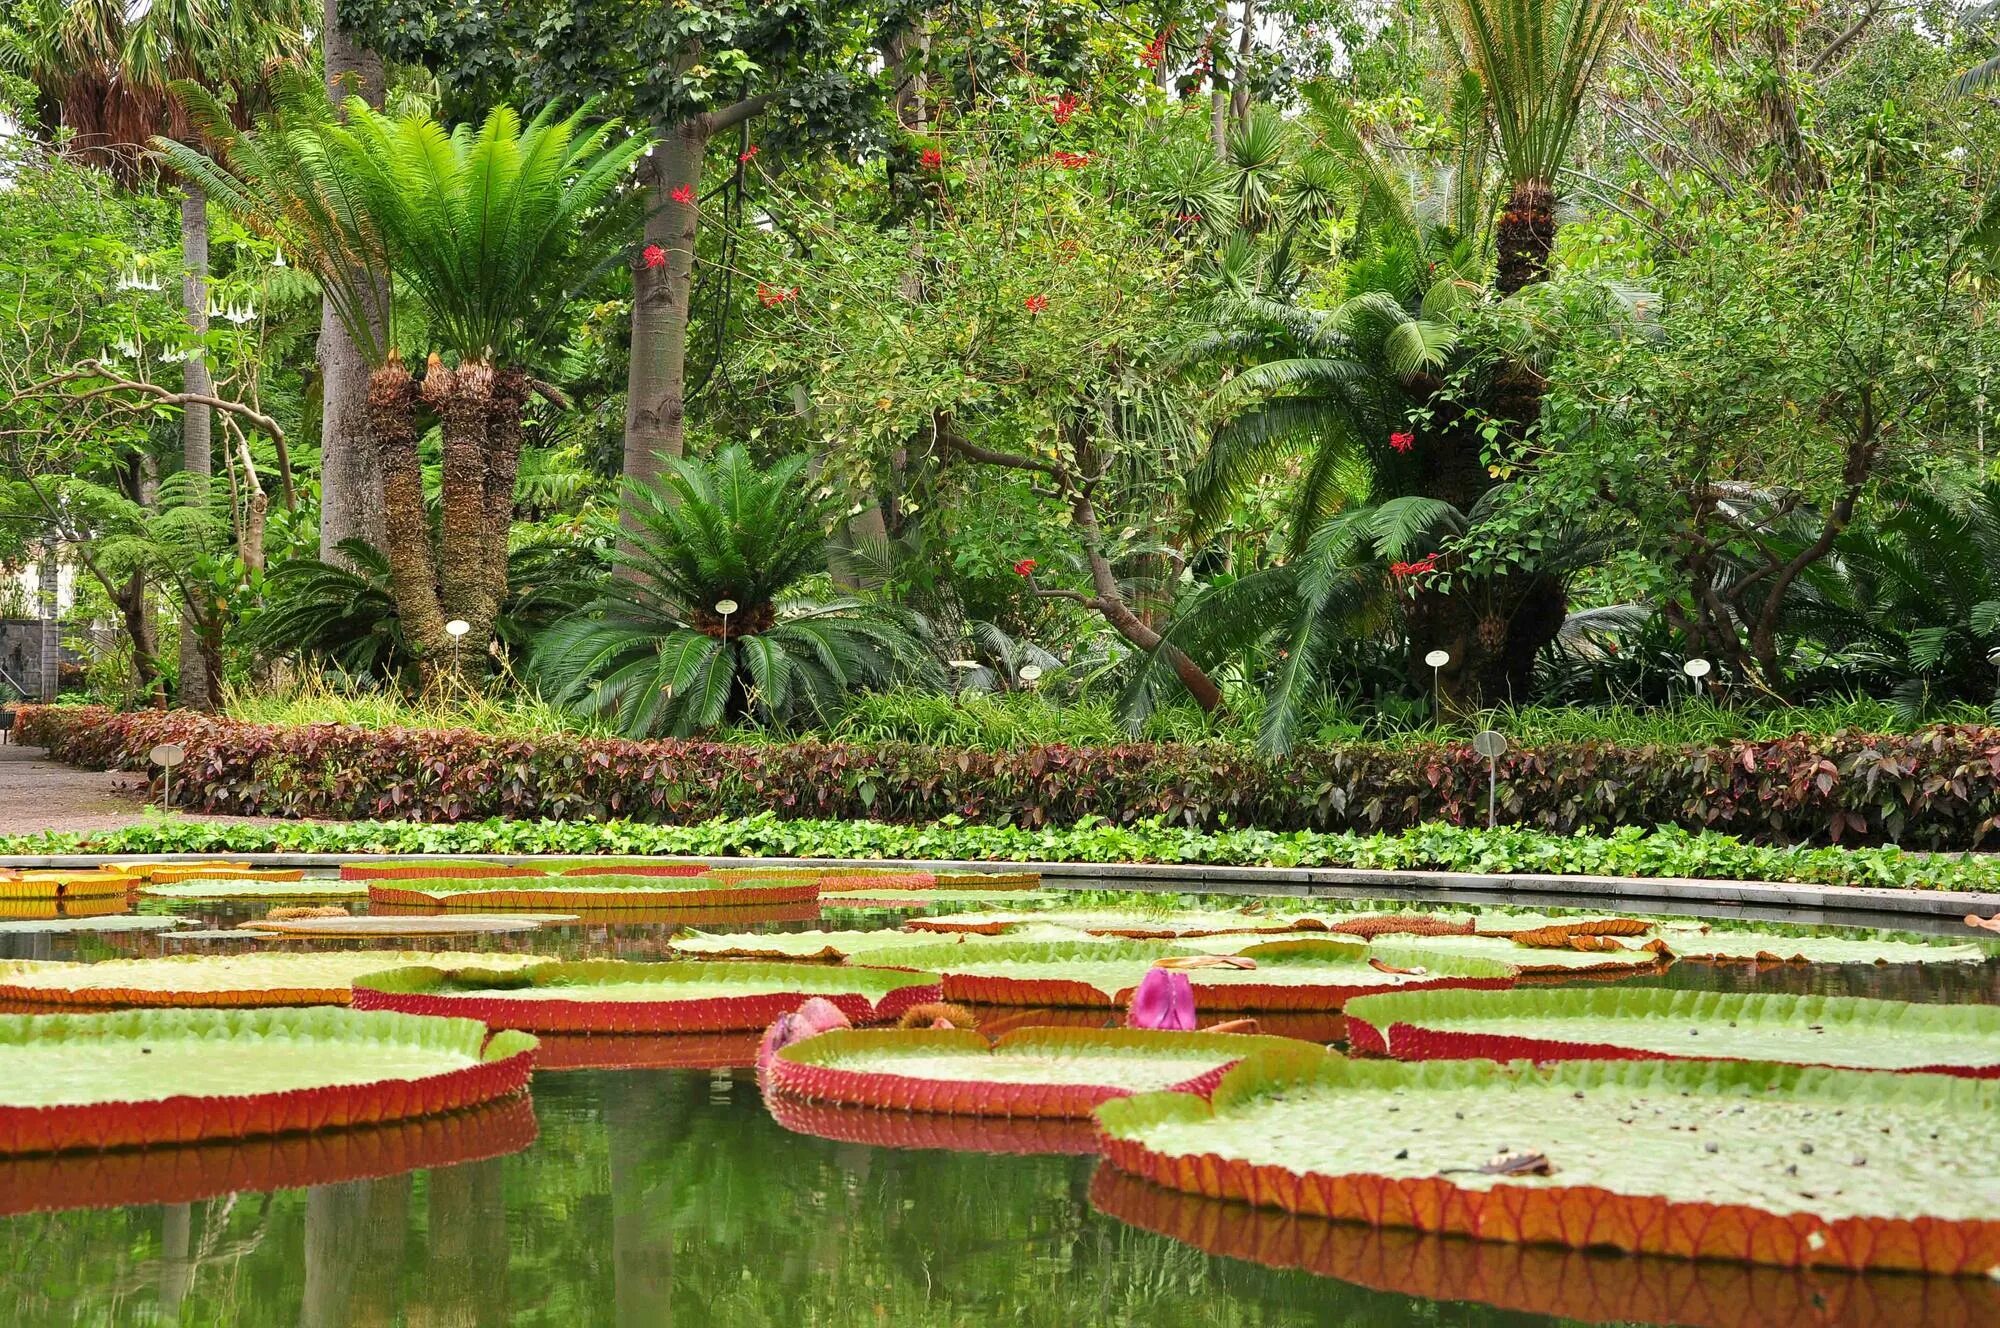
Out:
{"x": 504, "y": 409}
{"x": 350, "y": 502}
{"x": 654, "y": 406}
{"x": 197, "y": 690}
{"x": 392, "y": 428}
{"x": 461, "y": 398}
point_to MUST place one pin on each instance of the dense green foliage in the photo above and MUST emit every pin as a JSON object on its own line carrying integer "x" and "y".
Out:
{"x": 1204, "y": 381}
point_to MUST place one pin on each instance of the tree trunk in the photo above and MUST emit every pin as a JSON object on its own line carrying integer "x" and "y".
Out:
{"x": 505, "y": 407}
{"x": 197, "y": 691}
{"x": 350, "y": 496}
{"x": 392, "y": 429}
{"x": 461, "y": 398}
{"x": 654, "y": 406}
{"x": 1526, "y": 236}
{"x": 48, "y": 588}
{"x": 1109, "y": 601}
{"x": 1239, "y": 97}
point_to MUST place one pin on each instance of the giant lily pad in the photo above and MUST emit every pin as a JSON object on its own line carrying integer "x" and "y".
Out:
{"x": 1317, "y": 975}
{"x": 1753, "y": 1162}
{"x": 176, "y": 1076}
{"x": 1600, "y": 956}
{"x": 185, "y": 1173}
{"x": 884, "y": 897}
{"x": 610, "y": 996}
{"x": 573, "y": 893}
{"x": 229, "y": 888}
{"x": 1643, "y": 1023}
{"x": 1775, "y": 948}
{"x": 457, "y": 924}
{"x": 827, "y": 946}
{"x": 110, "y": 922}
{"x": 1572, "y": 1285}
{"x": 734, "y": 1050}
{"x": 173, "y": 873}
{"x": 1031, "y": 1072}
{"x": 210, "y": 980}
{"x": 66, "y": 885}
{"x": 1131, "y": 923}
{"x": 421, "y": 869}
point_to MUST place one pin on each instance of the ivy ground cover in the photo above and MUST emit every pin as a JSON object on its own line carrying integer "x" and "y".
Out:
{"x": 172, "y": 1076}
{"x": 1053, "y": 1072}
{"x": 610, "y": 996}
{"x": 1646, "y": 1023}
{"x": 1752, "y": 1162}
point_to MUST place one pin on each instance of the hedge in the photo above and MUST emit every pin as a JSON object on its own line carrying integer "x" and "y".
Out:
{"x": 1937, "y": 789}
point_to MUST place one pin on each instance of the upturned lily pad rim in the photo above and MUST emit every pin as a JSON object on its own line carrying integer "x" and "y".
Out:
{"x": 500, "y": 1066}
{"x": 1636, "y": 1223}
{"x": 1416, "y": 1025}
{"x": 835, "y": 1054}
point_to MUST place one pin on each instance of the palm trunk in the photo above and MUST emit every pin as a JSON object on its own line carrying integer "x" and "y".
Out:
{"x": 392, "y": 429}
{"x": 505, "y": 406}
{"x": 461, "y": 398}
{"x": 350, "y": 502}
{"x": 197, "y": 425}
{"x": 1239, "y": 97}
{"x": 1526, "y": 236}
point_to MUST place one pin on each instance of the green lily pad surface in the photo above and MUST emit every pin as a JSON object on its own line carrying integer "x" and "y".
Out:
{"x": 146, "y": 1055}
{"x": 225, "y": 889}
{"x": 614, "y": 980}
{"x": 1786, "y": 1140}
{"x": 1753, "y": 945}
{"x": 925, "y": 898}
{"x": 237, "y": 979}
{"x": 1102, "y": 972}
{"x": 1132, "y": 1059}
{"x": 1136, "y": 922}
{"x": 823, "y": 945}
{"x": 1597, "y": 1022}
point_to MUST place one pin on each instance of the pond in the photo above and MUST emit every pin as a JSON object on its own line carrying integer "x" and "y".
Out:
{"x": 667, "y": 1195}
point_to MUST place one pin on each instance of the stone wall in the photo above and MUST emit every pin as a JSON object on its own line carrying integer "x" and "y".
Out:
{"x": 22, "y": 661}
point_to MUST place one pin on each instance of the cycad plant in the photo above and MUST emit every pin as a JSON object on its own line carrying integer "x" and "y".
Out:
{"x": 704, "y": 623}
{"x": 490, "y": 231}
{"x": 1535, "y": 59}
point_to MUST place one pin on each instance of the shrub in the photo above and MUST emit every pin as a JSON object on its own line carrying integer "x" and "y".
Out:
{"x": 1939, "y": 788}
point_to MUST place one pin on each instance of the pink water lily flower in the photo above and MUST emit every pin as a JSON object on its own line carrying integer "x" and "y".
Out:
{"x": 1164, "y": 1000}
{"x": 816, "y": 1016}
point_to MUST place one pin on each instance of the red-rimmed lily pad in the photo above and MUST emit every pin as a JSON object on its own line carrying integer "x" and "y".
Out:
{"x": 1648, "y": 1023}
{"x": 643, "y": 1051}
{"x": 109, "y": 922}
{"x": 1062, "y": 1072}
{"x": 263, "y": 978}
{"x": 1759, "y": 947}
{"x": 455, "y": 924}
{"x": 1315, "y": 975}
{"x": 66, "y": 885}
{"x": 570, "y": 894}
{"x": 1579, "y": 1286}
{"x": 230, "y": 888}
{"x": 1727, "y": 1160}
{"x": 177, "y": 1076}
{"x": 829, "y": 946}
{"x": 1013, "y": 1136}
{"x": 612, "y": 996}
{"x": 186, "y": 1173}
{"x": 173, "y": 873}
{"x": 882, "y": 897}
{"x": 424, "y": 869}
{"x": 1129, "y": 923}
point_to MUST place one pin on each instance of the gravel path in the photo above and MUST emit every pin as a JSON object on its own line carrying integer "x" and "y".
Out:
{"x": 39, "y": 794}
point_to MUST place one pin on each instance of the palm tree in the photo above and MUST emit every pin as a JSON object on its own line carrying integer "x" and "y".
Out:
{"x": 108, "y": 67}
{"x": 704, "y": 624}
{"x": 1535, "y": 60}
{"x": 491, "y": 231}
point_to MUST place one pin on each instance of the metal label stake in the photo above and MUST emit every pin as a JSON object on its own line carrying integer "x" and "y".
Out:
{"x": 1492, "y": 745}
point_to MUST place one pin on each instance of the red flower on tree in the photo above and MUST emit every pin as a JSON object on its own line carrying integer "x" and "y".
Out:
{"x": 748, "y": 153}
{"x": 1421, "y": 567}
{"x": 1402, "y": 442}
{"x": 773, "y": 296}
{"x": 932, "y": 159}
{"x": 1034, "y": 304}
{"x": 1026, "y": 567}
{"x": 1063, "y": 107}
{"x": 1070, "y": 161}
{"x": 653, "y": 256}
{"x": 683, "y": 193}
{"x": 1156, "y": 51}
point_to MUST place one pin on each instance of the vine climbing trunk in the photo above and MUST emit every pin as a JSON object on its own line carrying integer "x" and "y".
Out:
{"x": 197, "y": 690}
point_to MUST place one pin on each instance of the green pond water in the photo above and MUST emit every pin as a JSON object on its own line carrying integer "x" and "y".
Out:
{"x": 672, "y": 1197}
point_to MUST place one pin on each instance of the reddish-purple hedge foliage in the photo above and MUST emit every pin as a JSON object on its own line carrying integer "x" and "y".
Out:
{"x": 1936, "y": 789}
